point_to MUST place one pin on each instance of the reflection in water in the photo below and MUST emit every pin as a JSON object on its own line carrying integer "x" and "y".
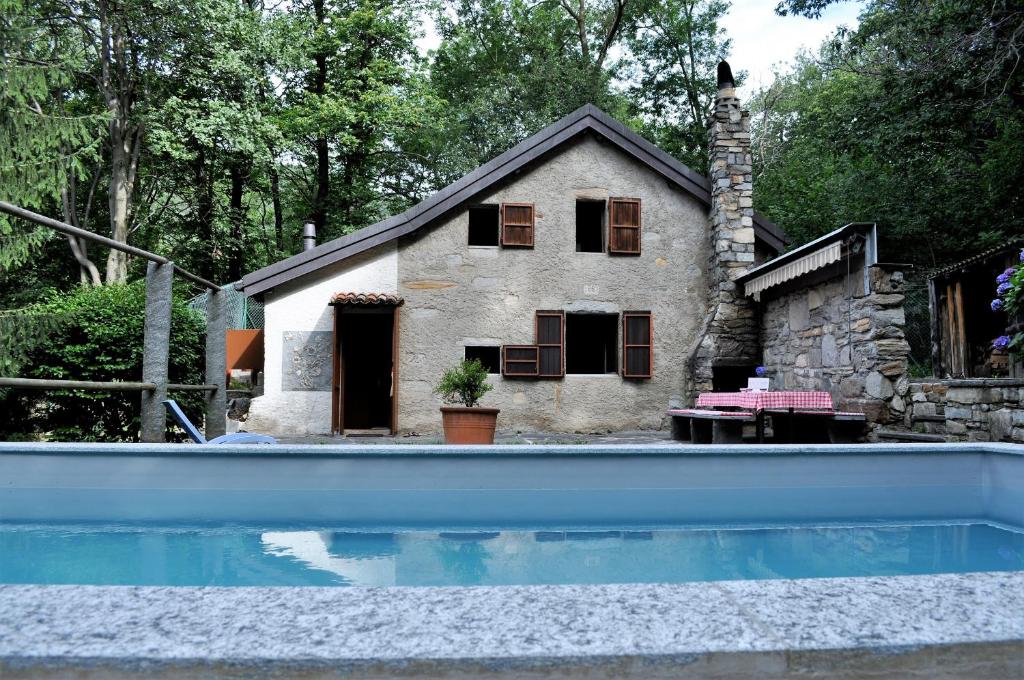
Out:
{"x": 240, "y": 556}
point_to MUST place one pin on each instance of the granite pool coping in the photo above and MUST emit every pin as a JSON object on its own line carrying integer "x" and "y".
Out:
{"x": 394, "y": 631}
{"x": 667, "y": 449}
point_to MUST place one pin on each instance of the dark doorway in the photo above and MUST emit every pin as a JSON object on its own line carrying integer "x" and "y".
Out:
{"x": 589, "y": 226}
{"x": 365, "y": 339}
{"x": 590, "y": 343}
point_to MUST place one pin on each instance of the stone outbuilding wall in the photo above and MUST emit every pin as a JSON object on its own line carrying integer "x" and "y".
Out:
{"x": 833, "y": 335}
{"x": 967, "y": 410}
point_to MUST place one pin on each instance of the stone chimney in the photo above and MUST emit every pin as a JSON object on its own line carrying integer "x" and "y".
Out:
{"x": 731, "y": 332}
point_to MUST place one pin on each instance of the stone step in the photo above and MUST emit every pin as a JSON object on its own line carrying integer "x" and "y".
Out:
{"x": 890, "y": 435}
{"x": 928, "y": 419}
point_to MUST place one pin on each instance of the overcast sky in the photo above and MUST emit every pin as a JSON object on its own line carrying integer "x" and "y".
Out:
{"x": 760, "y": 38}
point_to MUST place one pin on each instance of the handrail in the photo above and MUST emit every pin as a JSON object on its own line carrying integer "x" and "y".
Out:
{"x": 63, "y": 227}
{"x": 43, "y": 384}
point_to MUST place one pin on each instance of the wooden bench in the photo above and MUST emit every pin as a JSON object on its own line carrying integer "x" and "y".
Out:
{"x": 709, "y": 427}
{"x": 840, "y": 427}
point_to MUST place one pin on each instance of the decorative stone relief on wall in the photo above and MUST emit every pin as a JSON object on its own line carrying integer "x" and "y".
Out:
{"x": 306, "y": 361}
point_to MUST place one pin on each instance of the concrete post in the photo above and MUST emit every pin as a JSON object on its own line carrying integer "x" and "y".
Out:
{"x": 216, "y": 362}
{"x": 156, "y": 350}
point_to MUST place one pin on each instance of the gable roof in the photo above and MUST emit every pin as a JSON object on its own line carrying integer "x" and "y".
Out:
{"x": 587, "y": 118}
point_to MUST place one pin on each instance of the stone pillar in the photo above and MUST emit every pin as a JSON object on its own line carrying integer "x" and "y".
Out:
{"x": 156, "y": 350}
{"x": 732, "y": 333}
{"x": 216, "y": 363}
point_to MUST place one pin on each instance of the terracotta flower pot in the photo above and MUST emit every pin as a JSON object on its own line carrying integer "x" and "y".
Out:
{"x": 469, "y": 425}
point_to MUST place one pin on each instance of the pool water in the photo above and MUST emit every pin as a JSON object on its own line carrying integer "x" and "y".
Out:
{"x": 250, "y": 556}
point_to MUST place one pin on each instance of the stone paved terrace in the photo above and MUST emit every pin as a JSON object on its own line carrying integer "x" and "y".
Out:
{"x": 645, "y": 437}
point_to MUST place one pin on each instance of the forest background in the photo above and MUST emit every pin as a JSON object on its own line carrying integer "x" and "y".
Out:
{"x": 210, "y": 131}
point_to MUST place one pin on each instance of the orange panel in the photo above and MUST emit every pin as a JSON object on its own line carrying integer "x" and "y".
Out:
{"x": 245, "y": 349}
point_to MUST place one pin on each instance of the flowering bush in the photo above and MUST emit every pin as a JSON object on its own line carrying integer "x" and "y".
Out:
{"x": 1009, "y": 287}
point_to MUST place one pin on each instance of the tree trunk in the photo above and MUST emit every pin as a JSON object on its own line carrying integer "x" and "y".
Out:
{"x": 318, "y": 86}
{"x": 239, "y": 176}
{"x": 275, "y": 198}
{"x": 119, "y": 194}
{"x": 204, "y": 215}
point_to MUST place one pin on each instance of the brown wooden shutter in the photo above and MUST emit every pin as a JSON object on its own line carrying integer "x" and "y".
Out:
{"x": 637, "y": 345}
{"x": 520, "y": 361}
{"x": 517, "y": 225}
{"x": 624, "y": 226}
{"x": 550, "y": 339}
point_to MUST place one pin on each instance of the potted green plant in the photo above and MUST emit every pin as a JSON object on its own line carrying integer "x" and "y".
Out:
{"x": 467, "y": 423}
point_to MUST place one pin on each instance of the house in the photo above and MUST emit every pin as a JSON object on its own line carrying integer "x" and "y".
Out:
{"x": 592, "y": 273}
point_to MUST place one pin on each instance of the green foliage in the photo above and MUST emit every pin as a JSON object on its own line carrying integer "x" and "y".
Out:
{"x": 913, "y": 121}
{"x": 464, "y": 384}
{"x": 93, "y": 334}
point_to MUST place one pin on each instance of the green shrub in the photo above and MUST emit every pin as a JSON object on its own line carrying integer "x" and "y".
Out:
{"x": 464, "y": 384}
{"x": 99, "y": 337}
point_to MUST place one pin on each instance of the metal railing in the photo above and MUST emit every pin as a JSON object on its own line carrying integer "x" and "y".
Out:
{"x": 154, "y": 385}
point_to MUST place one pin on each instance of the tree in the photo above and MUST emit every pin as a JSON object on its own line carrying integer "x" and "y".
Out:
{"x": 675, "y": 48}
{"x": 914, "y": 121}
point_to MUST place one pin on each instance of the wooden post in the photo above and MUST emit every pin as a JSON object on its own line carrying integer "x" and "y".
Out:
{"x": 156, "y": 350}
{"x": 936, "y": 333}
{"x": 216, "y": 362}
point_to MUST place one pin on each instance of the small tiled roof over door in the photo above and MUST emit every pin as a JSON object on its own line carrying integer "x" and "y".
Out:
{"x": 367, "y": 299}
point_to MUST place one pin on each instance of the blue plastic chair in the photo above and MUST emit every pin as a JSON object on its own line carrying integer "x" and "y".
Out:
{"x": 197, "y": 436}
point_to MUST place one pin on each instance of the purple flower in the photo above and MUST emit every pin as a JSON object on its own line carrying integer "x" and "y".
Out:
{"x": 1003, "y": 287}
{"x": 997, "y": 304}
{"x": 1005, "y": 276}
{"x": 1022, "y": 254}
{"x": 760, "y": 371}
{"x": 1001, "y": 343}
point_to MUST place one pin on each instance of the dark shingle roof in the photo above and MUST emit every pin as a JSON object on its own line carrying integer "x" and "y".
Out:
{"x": 587, "y": 118}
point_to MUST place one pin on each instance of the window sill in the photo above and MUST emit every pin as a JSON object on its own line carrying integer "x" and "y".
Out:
{"x": 591, "y": 375}
{"x": 472, "y": 247}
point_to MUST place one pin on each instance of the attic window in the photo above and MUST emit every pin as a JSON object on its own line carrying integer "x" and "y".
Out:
{"x": 483, "y": 225}
{"x": 589, "y": 226}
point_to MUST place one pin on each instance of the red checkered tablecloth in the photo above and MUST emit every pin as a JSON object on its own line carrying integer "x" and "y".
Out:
{"x": 758, "y": 401}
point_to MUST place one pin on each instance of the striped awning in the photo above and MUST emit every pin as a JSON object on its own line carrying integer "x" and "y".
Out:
{"x": 816, "y": 259}
{"x": 367, "y": 299}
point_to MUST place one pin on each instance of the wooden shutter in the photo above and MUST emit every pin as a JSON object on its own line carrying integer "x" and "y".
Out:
{"x": 519, "y": 361}
{"x": 624, "y": 226}
{"x": 517, "y": 225}
{"x": 637, "y": 345}
{"x": 550, "y": 339}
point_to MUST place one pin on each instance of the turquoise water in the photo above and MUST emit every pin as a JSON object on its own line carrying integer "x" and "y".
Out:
{"x": 247, "y": 556}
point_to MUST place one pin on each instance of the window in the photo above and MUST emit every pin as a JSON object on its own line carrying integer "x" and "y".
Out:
{"x": 483, "y": 225}
{"x": 490, "y": 357}
{"x": 624, "y": 226}
{"x": 520, "y": 361}
{"x": 637, "y": 345}
{"x": 517, "y": 225}
{"x": 589, "y": 226}
{"x": 550, "y": 341}
{"x": 590, "y": 343}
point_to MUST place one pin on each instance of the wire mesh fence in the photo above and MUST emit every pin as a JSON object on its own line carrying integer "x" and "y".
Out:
{"x": 242, "y": 311}
{"x": 918, "y": 327}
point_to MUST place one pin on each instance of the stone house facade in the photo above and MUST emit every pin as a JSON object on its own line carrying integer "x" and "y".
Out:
{"x": 594, "y": 274}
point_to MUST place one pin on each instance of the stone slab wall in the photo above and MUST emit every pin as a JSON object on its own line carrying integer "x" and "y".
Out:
{"x": 834, "y": 336}
{"x": 967, "y": 410}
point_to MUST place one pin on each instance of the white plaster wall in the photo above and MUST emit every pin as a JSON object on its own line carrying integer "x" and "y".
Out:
{"x": 302, "y": 305}
{"x": 457, "y": 295}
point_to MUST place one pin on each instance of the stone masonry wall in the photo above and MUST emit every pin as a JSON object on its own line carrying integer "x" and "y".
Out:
{"x": 978, "y": 410}
{"x": 731, "y": 332}
{"x": 832, "y": 337}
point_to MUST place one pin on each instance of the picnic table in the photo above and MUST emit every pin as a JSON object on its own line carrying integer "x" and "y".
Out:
{"x": 801, "y": 414}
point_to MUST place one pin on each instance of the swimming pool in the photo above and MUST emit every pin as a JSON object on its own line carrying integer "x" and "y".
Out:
{"x": 924, "y": 518}
{"x": 385, "y": 516}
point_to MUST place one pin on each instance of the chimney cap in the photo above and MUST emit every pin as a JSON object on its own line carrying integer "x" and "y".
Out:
{"x": 725, "y": 78}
